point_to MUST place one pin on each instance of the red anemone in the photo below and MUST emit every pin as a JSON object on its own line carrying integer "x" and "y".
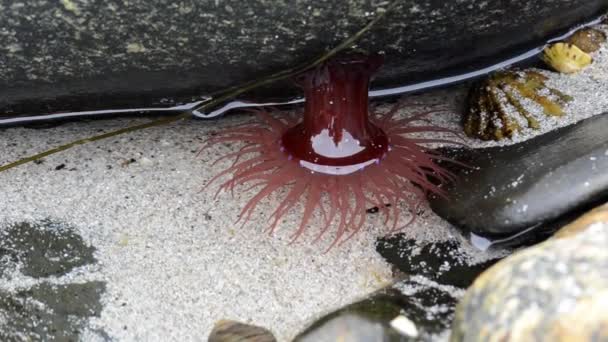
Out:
{"x": 337, "y": 161}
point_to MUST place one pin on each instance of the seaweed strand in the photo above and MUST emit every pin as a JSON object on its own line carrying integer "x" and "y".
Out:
{"x": 64, "y": 147}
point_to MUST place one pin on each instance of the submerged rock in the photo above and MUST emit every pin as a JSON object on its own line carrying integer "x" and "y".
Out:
{"x": 43, "y": 250}
{"x": 414, "y": 309}
{"x": 513, "y": 188}
{"x": 418, "y": 307}
{"x": 346, "y": 327}
{"x": 441, "y": 262}
{"x": 78, "y": 55}
{"x": 554, "y": 291}
{"x": 41, "y": 296}
{"x": 49, "y": 312}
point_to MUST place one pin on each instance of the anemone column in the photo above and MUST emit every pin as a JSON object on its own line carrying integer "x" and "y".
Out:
{"x": 336, "y": 135}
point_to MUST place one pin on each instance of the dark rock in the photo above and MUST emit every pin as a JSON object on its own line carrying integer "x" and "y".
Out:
{"x": 514, "y": 187}
{"x": 77, "y": 55}
{"x": 48, "y": 312}
{"x": 231, "y": 331}
{"x": 426, "y": 309}
{"x": 442, "y": 262}
{"x": 347, "y": 327}
{"x": 554, "y": 291}
{"x": 43, "y": 249}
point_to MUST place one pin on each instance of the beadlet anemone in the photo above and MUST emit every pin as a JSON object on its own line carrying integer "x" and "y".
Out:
{"x": 339, "y": 159}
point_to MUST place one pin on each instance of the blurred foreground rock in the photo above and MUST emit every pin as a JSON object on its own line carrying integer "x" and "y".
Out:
{"x": 555, "y": 291}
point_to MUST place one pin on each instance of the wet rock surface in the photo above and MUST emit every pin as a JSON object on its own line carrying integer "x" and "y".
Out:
{"x": 555, "y": 291}
{"x": 411, "y": 310}
{"x": 513, "y": 187}
{"x": 39, "y": 297}
{"x": 442, "y": 262}
{"x": 419, "y": 307}
{"x": 50, "y": 312}
{"x": 350, "y": 327}
{"x": 68, "y": 55}
{"x": 42, "y": 250}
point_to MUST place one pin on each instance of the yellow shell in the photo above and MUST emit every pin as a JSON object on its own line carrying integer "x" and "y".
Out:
{"x": 566, "y": 58}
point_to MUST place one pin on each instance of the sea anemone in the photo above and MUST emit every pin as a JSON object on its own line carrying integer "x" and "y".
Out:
{"x": 339, "y": 160}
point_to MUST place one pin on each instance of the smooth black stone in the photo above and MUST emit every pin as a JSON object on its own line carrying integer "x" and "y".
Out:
{"x": 441, "y": 262}
{"x": 43, "y": 249}
{"x": 429, "y": 308}
{"x": 531, "y": 183}
{"x": 75, "y": 55}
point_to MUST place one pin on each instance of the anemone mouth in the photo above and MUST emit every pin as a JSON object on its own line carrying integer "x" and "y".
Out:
{"x": 401, "y": 176}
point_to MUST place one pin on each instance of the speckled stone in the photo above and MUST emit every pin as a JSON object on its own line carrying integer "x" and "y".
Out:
{"x": 83, "y": 54}
{"x": 513, "y": 188}
{"x": 555, "y": 291}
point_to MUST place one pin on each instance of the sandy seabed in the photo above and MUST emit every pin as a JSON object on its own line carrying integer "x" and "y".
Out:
{"x": 172, "y": 257}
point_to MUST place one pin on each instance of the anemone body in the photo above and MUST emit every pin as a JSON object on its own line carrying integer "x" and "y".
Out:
{"x": 338, "y": 160}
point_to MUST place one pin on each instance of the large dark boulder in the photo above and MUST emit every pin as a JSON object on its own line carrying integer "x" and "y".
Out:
{"x": 511, "y": 189}
{"x": 76, "y": 54}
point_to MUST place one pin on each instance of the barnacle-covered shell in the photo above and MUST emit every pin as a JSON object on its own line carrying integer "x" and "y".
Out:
{"x": 587, "y": 39}
{"x": 495, "y": 108}
{"x": 566, "y": 58}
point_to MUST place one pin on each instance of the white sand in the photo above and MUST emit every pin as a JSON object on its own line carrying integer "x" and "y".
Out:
{"x": 171, "y": 252}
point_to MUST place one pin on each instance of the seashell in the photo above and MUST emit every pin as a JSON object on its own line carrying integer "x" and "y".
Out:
{"x": 566, "y": 58}
{"x": 495, "y": 110}
{"x": 587, "y": 39}
{"x": 232, "y": 331}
